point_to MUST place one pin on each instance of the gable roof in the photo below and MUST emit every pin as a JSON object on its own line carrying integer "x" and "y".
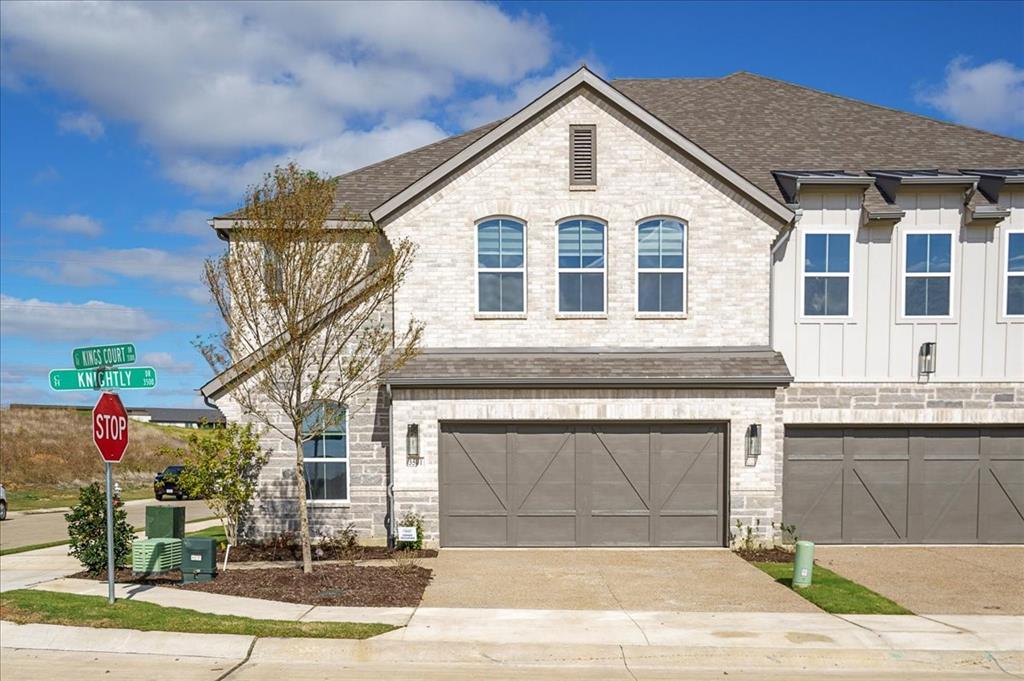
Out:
{"x": 582, "y": 78}
{"x": 752, "y": 124}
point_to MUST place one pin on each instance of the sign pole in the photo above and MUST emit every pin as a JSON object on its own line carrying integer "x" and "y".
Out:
{"x": 110, "y": 532}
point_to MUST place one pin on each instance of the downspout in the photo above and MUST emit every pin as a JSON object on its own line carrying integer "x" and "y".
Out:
{"x": 389, "y": 513}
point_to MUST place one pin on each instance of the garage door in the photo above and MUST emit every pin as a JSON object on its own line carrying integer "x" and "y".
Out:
{"x": 582, "y": 484}
{"x": 905, "y": 485}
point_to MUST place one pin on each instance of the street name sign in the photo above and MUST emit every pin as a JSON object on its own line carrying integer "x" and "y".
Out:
{"x": 110, "y": 427}
{"x": 118, "y": 378}
{"x": 103, "y": 355}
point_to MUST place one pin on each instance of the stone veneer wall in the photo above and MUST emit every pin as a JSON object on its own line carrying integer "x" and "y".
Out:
{"x": 754, "y": 490}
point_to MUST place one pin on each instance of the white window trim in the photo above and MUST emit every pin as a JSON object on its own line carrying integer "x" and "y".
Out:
{"x": 802, "y": 315}
{"x": 491, "y": 314}
{"x": 902, "y": 309}
{"x": 603, "y": 314}
{"x": 1004, "y": 283}
{"x": 659, "y": 314}
{"x": 334, "y": 459}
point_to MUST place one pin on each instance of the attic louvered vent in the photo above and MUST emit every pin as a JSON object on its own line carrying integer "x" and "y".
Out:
{"x": 582, "y": 155}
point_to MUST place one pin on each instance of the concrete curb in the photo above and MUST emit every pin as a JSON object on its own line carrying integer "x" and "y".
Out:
{"x": 85, "y": 639}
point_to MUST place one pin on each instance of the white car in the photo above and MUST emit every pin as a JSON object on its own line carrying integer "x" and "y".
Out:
{"x": 3, "y": 503}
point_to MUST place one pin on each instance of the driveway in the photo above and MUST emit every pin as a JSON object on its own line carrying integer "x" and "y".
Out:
{"x": 709, "y": 580}
{"x": 960, "y": 580}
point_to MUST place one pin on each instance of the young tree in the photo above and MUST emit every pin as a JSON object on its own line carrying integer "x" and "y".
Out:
{"x": 305, "y": 295}
{"x": 87, "y": 530}
{"x": 223, "y": 467}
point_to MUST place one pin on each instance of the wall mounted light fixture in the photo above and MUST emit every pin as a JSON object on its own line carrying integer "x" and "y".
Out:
{"x": 753, "y": 444}
{"x": 926, "y": 359}
{"x": 412, "y": 444}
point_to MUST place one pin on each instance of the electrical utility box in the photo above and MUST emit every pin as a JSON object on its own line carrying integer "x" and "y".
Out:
{"x": 165, "y": 521}
{"x": 151, "y": 556}
{"x": 198, "y": 560}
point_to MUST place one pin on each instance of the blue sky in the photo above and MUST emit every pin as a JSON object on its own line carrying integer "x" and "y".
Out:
{"x": 122, "y": 127}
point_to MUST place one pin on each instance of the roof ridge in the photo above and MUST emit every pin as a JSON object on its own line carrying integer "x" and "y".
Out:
{"x": 846, "y": 98}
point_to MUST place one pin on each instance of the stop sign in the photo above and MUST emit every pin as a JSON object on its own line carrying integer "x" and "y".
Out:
{"x": 110, "y": 427}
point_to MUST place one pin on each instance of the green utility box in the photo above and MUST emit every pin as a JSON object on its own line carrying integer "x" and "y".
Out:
{"x": 803, "y": 564}
{"x": 198, "y": 560}
{"x": 165, "y": 521}
{"x": 150, "y": 556}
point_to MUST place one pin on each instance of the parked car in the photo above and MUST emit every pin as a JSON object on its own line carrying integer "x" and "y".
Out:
{"x": 166, "y": 483}
{"x": 3, "y": 503}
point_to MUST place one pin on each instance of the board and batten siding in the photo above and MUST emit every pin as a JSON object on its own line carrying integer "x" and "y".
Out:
{"x": 876, "y": 343}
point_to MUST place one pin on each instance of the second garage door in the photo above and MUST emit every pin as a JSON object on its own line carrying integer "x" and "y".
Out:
{"x": 905, "y": 485}
{"x": 582, "y": 484}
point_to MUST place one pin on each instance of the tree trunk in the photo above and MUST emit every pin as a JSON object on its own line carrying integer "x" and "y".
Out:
{"x": 300, "y": 477}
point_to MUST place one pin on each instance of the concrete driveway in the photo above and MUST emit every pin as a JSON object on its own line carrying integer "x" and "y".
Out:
{"x": 960, "y": 580}
{"x": 708, "y": 580}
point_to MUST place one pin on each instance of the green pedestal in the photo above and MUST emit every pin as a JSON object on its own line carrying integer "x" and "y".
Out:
{"x": 165, "y": 521}
{"x": 198, "y": 560}
{"x": 803, "y": 563}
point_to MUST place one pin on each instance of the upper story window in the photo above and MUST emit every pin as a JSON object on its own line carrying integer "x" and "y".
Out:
{"x": 927, "y": 274}
{"x": 827, "y": 274}
{"x": 581, "y": 266}
{"x": 1015, "y": 273}
{"x": 325, "y": 454}
{"x": 501, "y": 266}
{"x": 660, "y": 263}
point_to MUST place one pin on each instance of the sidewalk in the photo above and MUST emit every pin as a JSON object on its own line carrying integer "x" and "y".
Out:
{"x": 795, "y": 631}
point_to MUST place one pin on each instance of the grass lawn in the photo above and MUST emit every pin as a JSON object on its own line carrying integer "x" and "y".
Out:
{"x": 835, "y": 594}
{"x": 26, "y": 606}
{"x": 32, "y": 498}
{"x": 216, "y": 533}
{"x": 32, "y": 547}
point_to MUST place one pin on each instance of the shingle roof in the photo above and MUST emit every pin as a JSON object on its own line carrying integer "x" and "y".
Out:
{"x": 754, "y": 125}
{"x": 577, "y": 367}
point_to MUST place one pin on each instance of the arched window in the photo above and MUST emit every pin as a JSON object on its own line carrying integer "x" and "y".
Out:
{"x": 661, "y": 266}
{"x": 325, "y": 452}
{"x": 581, "y": 266}
{"x": 501, "y": 266}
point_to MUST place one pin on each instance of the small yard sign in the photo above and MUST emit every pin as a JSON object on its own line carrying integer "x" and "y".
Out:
{"x": 407, "y": 533}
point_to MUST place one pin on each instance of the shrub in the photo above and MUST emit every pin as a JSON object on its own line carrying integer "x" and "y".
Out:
{"x": 87, "y": 529}
{"x": 412, "y": 518}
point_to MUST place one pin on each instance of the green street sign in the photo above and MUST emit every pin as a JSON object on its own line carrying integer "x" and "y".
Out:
{"x": 120, "y": 378}
{"x": 103, "y": 355}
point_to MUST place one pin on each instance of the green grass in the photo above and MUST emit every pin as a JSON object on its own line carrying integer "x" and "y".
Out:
{"x": 32, "y": 547}
{"x": 216, "y": 533}
{"x": 34, "y": 498}
{"x": 835, "y": 594}
{"x": 29, "y": 606}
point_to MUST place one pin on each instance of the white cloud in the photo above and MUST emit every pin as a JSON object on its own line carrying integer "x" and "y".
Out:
{"x": 492, "y": 107}
{"x": 987, "y": 96}
{"x": 43, "y": 320}
{"x": 73, "y": 223}
{"x": 165, "y": 361}
{"x": 83, "y": 123}
{"x": 46, "y": 175}
{"x": 192, "y": 222}
{"x": 332, "y": 156}
{"x": 95, "y": 266}
{"x": 196, "y": 294}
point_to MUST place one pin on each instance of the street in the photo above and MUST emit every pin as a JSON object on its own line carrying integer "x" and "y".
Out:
{"x": 41, "y": 528}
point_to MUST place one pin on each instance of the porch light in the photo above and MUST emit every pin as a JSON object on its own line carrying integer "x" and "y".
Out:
{"x": 926, "y": 359}
{"x": 753, "y": 443}
{"x": 412, "y": 443}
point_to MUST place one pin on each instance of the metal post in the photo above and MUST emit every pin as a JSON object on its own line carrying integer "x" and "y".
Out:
{"x": 110, "y": 532}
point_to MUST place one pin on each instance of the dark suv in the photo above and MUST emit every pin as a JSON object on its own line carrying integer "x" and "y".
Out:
{"x": 166, "y": 483}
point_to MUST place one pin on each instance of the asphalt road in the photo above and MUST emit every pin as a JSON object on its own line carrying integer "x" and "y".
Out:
{"x": 40, "y": 528}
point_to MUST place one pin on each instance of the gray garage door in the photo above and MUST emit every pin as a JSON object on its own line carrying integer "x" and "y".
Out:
{"x": 905, "y": 485}
{"x": 582, "y": 484}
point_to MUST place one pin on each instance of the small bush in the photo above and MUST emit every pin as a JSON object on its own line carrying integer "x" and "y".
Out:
{"x": 342, "y": 545}
{"x": 412, "y": 518}
{"x": 87, "y": 529}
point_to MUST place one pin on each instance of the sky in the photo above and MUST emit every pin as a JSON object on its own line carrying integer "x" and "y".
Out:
{"x": 124, "y": 127}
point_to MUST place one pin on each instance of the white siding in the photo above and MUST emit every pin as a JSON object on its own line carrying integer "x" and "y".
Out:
{"x": 877, "y": 343}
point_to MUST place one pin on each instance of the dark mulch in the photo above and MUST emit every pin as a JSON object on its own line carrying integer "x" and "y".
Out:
{"x": 353, "y": 585}
{"x": 292, "y": 552}
{"x": 772, "y": 555}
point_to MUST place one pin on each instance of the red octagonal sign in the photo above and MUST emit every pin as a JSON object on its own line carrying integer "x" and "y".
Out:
{"x": 110, "y": 427}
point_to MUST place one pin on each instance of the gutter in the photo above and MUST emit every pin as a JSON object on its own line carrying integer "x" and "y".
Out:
{"x": 478, "y": 381}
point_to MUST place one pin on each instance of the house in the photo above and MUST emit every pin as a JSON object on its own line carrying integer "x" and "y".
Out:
{"x": 656, "y": 308}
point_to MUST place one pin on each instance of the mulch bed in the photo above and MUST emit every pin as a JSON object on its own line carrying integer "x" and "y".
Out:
{"x": 765, "y": 555}
{"x": 271, "y": 552}
{"x": 350, "y": 585}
